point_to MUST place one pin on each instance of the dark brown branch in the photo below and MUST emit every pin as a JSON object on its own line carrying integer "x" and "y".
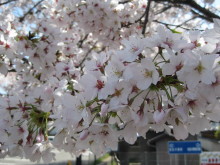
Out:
{"x": 129, "y": 23}
{"x": 201, "y": 9}
{"x": 21, "y": 19}
{"x": 205, "y": 13}
{"x": 202, "y": 16}
{"x": 164, "y": 9}
{"x": 80, "y": 43}
{"x": 12, "y": 70}
{"x": 146, "y": 16}
{"x": 123, "y": 2}
{"x": 6, "y": 2}
{"x": 87, "y": 54}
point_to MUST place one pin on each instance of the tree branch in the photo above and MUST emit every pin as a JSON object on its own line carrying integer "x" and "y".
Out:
{"x": 21, "y": 19}
{"x": 123, "y": 2}
{"x": 206, "y": 14}
{"x": 201, "y": 9}
{"x": 6, "y": 2}
{"x": 164, "y": 9}
{"x": 146, "y": 16}
{"x": 201, "y": 16}
{"x": 80, "y": 43}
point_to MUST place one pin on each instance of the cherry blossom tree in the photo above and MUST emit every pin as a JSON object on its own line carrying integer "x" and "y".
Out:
{"x": 97, "y": 71}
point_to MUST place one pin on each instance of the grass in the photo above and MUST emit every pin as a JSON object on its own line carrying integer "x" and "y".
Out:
{"x": 101, "y": 159}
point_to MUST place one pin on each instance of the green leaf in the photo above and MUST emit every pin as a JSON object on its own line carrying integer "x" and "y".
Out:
{"x": 113, "y": 114}
{"x": 175, "y": 31}
{"x": 89, "y": 103}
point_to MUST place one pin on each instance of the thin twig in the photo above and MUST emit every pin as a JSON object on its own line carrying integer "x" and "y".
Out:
{"x": 89, "y": 51}
{"x": 167, "y": 25}
{"x": 163, "y": 10}
{"x": 187, "y": 21}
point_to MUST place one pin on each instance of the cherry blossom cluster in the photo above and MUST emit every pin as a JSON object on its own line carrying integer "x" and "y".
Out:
{"x": 87, "y": 73}
{"x": 165, "y": 82}
{"x": 106, "y": 20}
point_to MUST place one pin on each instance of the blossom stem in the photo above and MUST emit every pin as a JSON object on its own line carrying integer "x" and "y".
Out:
{"x": 120, "y": 119}
{"x": 133, "y": 98}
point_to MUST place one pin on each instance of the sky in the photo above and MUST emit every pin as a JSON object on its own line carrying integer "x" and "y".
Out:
{"x": 217, "y": 2}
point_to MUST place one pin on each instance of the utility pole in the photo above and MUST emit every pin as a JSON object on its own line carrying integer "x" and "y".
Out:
{"x": 79, "y": 160}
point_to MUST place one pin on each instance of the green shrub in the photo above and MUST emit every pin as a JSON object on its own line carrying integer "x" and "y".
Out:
{"x": 217, "y": 133}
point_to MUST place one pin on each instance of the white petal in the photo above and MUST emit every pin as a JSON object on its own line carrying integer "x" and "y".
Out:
{"x": 144, "y": 84}
{"x": 180, "y": 132}
{"x": 3, "y": 69}
{"x": 159, "y": 116}
{"x": 168, "y": 69}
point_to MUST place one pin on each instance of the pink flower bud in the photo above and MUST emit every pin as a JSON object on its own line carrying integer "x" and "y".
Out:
{"x": 40, "y": 138}
{"x": 104, "y": 110}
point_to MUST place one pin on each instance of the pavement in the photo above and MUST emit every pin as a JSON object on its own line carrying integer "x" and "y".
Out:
{"x": 62, "y": 158}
